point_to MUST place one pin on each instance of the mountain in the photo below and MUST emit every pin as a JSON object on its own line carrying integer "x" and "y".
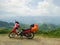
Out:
{"x": 33, "y": 19}
{"x": 44, "y": 26}
{"x": 48, "y": 26}
{"x": 10, "y": 25}
{"x": 6, "y": 24}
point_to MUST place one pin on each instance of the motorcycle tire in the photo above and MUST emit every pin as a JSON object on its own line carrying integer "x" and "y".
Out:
{"x": 30, "y": 35}
{"x": 12, "y": 35}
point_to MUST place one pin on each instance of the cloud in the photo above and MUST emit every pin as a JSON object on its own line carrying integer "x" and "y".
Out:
{"x": 56, "y": 2}
{"x": 20, "y": 8}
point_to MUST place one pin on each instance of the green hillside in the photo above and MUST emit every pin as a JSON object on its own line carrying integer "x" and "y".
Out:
{"x": 49, "y": 30}
{"x": 47, "y": 26}
{"x": 6, "y": 24}
{"x": 49, "y": 33}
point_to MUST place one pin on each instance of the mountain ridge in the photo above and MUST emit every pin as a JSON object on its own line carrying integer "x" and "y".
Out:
{"x": 33, "y": 19}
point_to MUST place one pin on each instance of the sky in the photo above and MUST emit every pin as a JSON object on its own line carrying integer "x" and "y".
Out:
{"x": 12, "y": 8}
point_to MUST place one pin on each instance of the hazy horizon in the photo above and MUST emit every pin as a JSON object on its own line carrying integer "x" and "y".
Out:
{"x": 33, "y": 19}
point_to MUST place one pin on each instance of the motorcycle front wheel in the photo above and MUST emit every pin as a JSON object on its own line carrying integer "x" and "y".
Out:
{"x": 12, "y": 35}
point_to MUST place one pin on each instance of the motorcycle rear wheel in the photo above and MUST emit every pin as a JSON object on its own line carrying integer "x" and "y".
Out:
{"x": 30, "y": 35}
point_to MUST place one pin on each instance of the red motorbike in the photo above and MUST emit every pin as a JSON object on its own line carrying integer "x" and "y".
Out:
{"x": 24, "y": 32}
{"x": 29, "y": 33}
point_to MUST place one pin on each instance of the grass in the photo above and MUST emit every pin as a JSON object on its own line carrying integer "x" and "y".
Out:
{"x": 44, "y": 33}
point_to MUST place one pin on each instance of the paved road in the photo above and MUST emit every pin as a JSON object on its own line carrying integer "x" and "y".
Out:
{"x": 38, "y": 40}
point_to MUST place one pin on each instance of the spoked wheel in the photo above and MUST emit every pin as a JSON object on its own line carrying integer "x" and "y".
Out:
{"x": 30, "y": 35}
{"x": 12, "y": 35}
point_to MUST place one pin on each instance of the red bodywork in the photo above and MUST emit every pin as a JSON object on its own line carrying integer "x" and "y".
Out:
{"x": 27, "y": 30}
{"x": 13, "y": 30}
{"x": 33, "y": 29}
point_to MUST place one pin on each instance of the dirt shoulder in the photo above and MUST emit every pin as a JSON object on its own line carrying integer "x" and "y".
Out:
{"x": 38, "y": 40}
